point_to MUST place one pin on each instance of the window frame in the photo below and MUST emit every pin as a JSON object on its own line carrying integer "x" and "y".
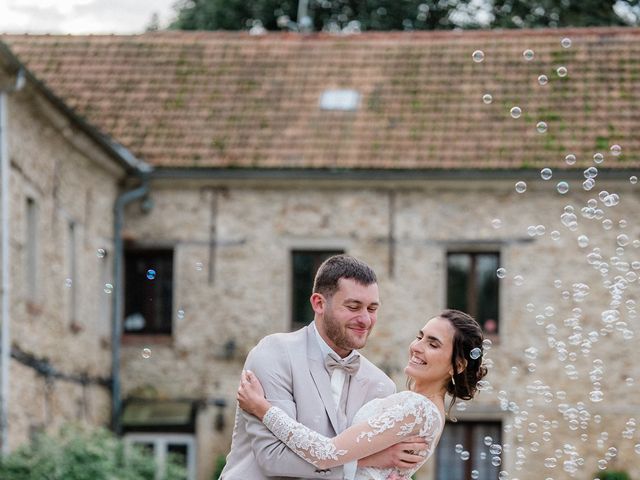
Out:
{"x": 160, "y": 442}
{"x": 473, "y": 253}
{"x": 327, "y": 252}
{"x": 468, "y": 443}
{"x": 32, "y": 249}
{"x": 144, "y": 335}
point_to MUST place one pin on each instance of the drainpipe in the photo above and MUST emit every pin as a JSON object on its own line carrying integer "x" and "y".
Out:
{"x": 116, "y": 323}
{"x": 5, "y": 332}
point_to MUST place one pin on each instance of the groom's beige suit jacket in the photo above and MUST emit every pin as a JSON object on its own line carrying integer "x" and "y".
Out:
{"x": 291, "y": 368}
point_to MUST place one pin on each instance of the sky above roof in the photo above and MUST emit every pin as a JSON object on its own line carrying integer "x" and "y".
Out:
{"x": 82, "y": 16}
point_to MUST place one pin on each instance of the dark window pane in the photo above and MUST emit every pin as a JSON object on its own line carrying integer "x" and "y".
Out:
{"x": 487, "y": 281}
{"x": 148, "y": 291}
{"x": 472, "y": 286}
{"x": 448, "y": 463}
{"x": 471, "y": 435}
{"x": 305, "y": 265}
{"x": 178, "y": 453}
{"x": 459, "y": 265}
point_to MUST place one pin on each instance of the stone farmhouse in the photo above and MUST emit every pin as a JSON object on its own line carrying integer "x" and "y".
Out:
{"x": 171, "y": 194}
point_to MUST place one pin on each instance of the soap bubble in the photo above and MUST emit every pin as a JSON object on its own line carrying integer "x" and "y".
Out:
{"x": 501, "y": 272}
{"x": 562, "y": 187}
{"x": 475, "y": 354}
{"x": 100, "y": 253}
{"x": 591, "y": 172}
{"x": 546, "y": 173}
{"x": 541, "y": 127}
{"x": 487, "y": 98}
{"x": 543, "y": 79}
{"x": 565, "y": 42}
{"x": 598, "y": 157}
{"x": 622, "y": 240}
{"x": 528, "y": 54}
{"x": 478, "y": 56}
{"x": 146, "y": 353}
{"x": 583, "y": 241}
{"x": 521, "y": 187}
{"x": 570, "y": 159}
{"x": 596, "y": 396}
{"x": 562, "y": 72}
{"x": 615, "y": 150}
{"x": 496, "y": 223}
{"x": 516, "y": 112}
{"x": 633, "y": 179}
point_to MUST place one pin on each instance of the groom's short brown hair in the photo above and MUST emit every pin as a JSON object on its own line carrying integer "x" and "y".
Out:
{"x": 341, "y": 266}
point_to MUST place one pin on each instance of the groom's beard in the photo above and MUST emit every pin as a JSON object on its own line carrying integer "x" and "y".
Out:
{"x": 341, "y": 336}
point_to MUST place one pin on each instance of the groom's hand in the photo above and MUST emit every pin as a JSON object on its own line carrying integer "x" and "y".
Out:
{"x": 399, "y": 455}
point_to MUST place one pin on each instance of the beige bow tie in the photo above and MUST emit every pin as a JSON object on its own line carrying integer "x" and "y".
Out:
{"x": 350, "y": 366}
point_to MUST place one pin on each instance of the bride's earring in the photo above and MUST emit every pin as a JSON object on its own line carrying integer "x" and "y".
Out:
{"x": 453, "y": 381}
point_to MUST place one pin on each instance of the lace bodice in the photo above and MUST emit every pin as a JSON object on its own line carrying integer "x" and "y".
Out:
{"x": 378, "y": 424}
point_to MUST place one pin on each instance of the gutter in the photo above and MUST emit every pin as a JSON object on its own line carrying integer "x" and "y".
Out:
{"x": 117, "y": 311}
{"x": 369, "y": 174}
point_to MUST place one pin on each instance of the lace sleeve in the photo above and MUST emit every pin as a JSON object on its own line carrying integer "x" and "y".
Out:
{"x": 403, "y": 416}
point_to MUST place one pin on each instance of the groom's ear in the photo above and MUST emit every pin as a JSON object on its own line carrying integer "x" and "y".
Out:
{"x": 318, "y": 303}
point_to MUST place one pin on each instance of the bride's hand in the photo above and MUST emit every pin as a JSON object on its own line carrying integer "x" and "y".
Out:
{"x": 251, "y": 395}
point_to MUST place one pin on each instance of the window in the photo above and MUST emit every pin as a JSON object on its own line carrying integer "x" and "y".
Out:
{"x": 104, "y": 289}
{"x": 31, "y": 277}
{"x": 472, "y": 286}
{"x": 472, "y": 438}
{"x": 345, "y": 100}
{"x": 181, "y": 447}
{"x": 305, "y": 265}
{"x": 72, "y": 270}
{"x": 148, "y": 291}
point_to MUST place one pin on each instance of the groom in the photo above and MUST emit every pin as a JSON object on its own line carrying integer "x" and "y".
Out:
{"x": 317, "y": 377}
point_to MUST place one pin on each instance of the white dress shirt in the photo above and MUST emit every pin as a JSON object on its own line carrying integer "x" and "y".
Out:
{"x": 338, "y": 377}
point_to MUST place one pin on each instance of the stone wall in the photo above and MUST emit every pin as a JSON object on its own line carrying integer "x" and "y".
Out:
{"x": 70, "y": 181}
{"x": 246, "y": 295}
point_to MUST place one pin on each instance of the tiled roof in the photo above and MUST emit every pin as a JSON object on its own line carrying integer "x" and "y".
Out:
{"x": 214, "y": 99}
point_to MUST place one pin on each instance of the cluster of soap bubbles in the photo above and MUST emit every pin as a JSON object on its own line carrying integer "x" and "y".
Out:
{"x": 572, "y": 339}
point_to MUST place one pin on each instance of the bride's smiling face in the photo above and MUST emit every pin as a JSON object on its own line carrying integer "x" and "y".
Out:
{"x": 430, "y": 354}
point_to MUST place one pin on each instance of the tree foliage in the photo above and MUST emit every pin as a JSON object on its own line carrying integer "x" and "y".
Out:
{"x": 356, "y": 15}
{"x": 77, "y": 454}
{"x": 563, "y": 13}
{"x": 331, "y": 15}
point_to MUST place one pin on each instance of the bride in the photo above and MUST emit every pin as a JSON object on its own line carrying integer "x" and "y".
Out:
{"x": 445, "y": 357}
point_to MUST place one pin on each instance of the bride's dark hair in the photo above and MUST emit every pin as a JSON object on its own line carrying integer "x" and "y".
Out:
{"x": 466, "y": 356}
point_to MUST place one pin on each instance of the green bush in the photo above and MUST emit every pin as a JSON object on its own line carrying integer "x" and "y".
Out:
{"x": 612, "y": 475}
{"x": 221, "y": 461}
{"x": 80, "y": 454}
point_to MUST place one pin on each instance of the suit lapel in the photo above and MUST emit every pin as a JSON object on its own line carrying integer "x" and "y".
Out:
{"x": 321, "y": 377}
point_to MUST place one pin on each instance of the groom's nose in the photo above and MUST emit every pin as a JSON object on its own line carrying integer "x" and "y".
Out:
{"x": 366, "y": 318}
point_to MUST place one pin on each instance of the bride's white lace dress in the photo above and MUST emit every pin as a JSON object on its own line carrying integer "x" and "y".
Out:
{"x": 378, "y": 424}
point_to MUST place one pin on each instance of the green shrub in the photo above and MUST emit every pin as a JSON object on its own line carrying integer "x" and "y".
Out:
{"x": 80, "y": 454}
{"x": 612, "y": 475}
{"x": 221, "y": 461}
